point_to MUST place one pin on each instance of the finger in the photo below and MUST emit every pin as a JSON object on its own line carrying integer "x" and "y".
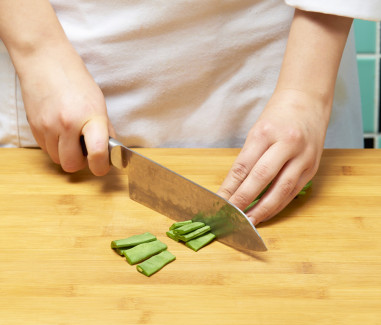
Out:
{"x": 264, "y": 171}
{"x": 51, "y": 145}
{"x": 96, "y": 134}
{"x": 111, "y": 130}
{"x": 47, "y": 142}
{"x": 70, "y": 152}
{"x": 303, "y": 181}
{"x": 241, "y": 168}
{"x": 283, "y": 190}
{"x": 38, "y": 137}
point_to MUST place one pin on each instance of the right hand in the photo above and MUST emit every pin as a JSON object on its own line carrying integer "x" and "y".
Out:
{"x": 63, "y": 102}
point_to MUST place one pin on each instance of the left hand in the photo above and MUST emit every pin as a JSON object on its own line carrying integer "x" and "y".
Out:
{"x": 283, "y": 147}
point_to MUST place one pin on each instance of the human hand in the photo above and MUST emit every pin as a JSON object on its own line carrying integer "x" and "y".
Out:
{"x": 63, "y": 102}
{"x": 283, "y": 147}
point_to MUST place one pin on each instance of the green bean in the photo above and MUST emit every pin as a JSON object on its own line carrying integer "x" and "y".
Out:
{"x": 188, "y": 228}
{"x": 155, "y": 263}
{"x": 133, "y": 240}
{"x": 179, "y": 224}
{"x": 143, "y": 251}
{"x": 121, "y": 250}
{"x": 172, "y": 235}
{"x": 200, "y": 241}
{"x": 193, "y": 234}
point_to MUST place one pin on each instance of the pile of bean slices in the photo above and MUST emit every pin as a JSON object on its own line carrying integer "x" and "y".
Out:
{"x": 150, "y": 254}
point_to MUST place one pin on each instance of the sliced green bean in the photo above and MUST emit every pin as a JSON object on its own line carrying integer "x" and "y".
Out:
{"x": 143, "y": 251}
{"x": 155, "y": 263}
{"x": 121, "y": 250}
{"x": 188, "y": 228}
{"x": 194, "y": 234}
{"x": 179, "y": 224}
{"x": 251, "y": 205}
{"x": 172, "y": 235}
{"x": 133, "y": 240}
{"x": 200, "y": 241}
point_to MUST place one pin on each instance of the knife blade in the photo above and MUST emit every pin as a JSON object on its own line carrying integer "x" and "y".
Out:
{"x": 179, "y": 198}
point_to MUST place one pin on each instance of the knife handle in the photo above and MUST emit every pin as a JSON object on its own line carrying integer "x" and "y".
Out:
{"x": 83, "y": 145}
{"x": 111, "y": 144}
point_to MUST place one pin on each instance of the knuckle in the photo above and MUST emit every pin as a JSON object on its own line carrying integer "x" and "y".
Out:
{"x": 66, "y": 121}
{"x": 262, "y": 130}
{"x": 241, "y": 200}
{"x": 292, "y": 195}
{"x": 295, "y": 136}
{"x": 262, "y": 212}
{"x": 261, "y": 172}
{"x": 45, "y": 123}
{"x": 239, "y": 171}
{"x": 287, "y": 187}
{"x": 225, "y": 192}
{"x": 310, "y": 162}
{"x": 313, "y": 165}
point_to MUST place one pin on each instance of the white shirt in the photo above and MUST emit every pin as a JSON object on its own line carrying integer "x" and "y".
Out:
{"x": 361, "y": 9}
{"x": 184, "y": 73}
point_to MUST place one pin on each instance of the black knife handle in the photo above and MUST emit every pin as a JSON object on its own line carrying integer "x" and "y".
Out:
{"x": 83, "y": 145}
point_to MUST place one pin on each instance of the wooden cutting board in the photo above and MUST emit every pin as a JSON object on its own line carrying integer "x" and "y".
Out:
{"x": 323, "y": 265}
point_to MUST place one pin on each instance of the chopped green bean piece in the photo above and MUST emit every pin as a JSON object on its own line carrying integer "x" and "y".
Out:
{"x": 155, "y": 263}
{"x": 121, "y": 250}
{"x": 194, "y": 234}
{"x": 200, "y": 241}
{"x": 251, "y": 205}
{"x": 188, "y": 228}
{"x": 172, "y": 235}
{"x": 133, "y": 240}
{"x": 179, "y": 224}
{"x": 143, "y": 251}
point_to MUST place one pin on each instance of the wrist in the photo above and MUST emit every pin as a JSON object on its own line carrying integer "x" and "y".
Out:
{"x": 42, "y": 57}
{"x": 302, "y": 102}
{"x": 323, "y": 96}
{"x": 30, "y": 30}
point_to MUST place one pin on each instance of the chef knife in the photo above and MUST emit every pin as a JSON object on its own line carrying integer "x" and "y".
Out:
{"x": 179, "y": 198}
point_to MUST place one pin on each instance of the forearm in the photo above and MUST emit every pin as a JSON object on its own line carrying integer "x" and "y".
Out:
{"x": 30, "y": 28}
{"x": 313, "y": 54}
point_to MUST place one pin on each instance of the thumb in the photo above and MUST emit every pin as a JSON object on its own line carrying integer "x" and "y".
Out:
{"x": 96, "y": 135}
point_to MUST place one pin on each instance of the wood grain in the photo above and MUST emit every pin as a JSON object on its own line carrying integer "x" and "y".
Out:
{"x": 56, "y": 266}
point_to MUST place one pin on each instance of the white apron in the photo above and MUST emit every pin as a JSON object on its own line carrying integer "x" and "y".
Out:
{"x": 182, "y": 73}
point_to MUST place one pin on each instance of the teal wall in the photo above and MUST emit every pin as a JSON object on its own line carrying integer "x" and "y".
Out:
{"x": 367, "y": 36}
